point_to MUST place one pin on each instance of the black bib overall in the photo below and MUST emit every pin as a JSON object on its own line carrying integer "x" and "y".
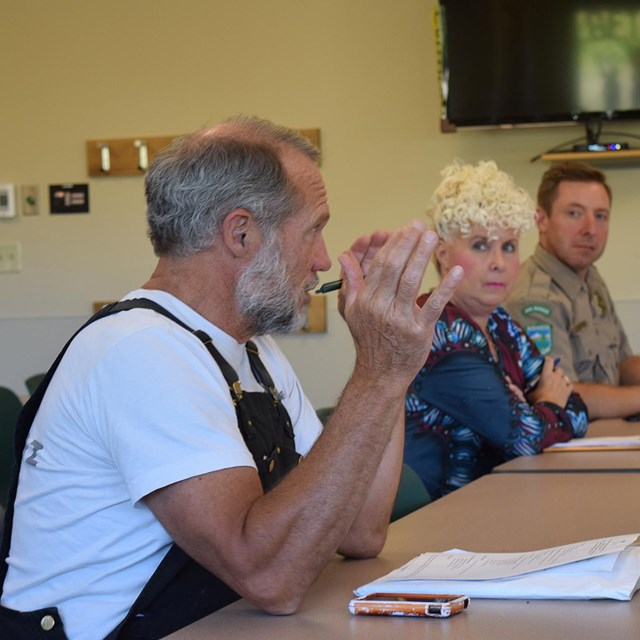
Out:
{"x": 180, "y": 591}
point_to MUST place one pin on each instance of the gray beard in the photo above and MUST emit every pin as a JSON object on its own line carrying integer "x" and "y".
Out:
{"x": 265, "y": 297}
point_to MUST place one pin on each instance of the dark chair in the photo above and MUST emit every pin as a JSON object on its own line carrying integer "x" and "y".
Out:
{"x": 324, "y": 413}
{"x": 412, "y": 494}
{"x": 10, "y": 407}
{"x": 33, "y": 382}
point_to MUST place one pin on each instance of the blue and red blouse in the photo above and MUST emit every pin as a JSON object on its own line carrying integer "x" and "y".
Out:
{"x": 462, "y": 419}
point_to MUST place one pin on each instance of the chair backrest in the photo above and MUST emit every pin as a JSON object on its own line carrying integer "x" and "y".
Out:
{"x": 33, "y": 381}
{"x": 412, "y": 494}
{"x": 323, "y": 413}
{"x": 10, "y": 407}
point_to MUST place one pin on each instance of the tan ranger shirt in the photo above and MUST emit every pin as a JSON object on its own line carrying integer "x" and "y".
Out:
{"x": 570, "y": 318}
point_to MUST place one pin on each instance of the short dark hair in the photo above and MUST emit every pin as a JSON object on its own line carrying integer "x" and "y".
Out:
{"x": 567, "y": 172}
{"x": 192, "y": 184}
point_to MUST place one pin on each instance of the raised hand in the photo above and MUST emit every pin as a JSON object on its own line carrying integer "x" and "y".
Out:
{"x": 392, "y": 334}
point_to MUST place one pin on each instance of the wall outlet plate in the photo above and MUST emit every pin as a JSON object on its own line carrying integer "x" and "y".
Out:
{"x": 7, "y": 201}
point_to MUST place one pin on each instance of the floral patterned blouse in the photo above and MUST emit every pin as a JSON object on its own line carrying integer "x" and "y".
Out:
{"x": 462, "y": 419}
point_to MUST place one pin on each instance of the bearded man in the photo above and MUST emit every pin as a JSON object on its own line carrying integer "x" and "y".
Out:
{"x": 170, "y": 462}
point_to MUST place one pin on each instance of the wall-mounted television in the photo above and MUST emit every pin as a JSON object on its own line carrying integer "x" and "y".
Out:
{"x": 524, "y": 62}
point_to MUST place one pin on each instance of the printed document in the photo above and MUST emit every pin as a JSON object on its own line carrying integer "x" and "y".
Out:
{"x": 600, "y": 568}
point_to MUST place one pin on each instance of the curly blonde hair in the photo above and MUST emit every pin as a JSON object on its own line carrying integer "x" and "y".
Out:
{"x": 482, "y": 195}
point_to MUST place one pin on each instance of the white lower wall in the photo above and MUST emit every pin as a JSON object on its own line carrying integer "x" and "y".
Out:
{"x": 629, "y": 314}
{"x": 323, "y": 362}
{"x": 30, "y": 345}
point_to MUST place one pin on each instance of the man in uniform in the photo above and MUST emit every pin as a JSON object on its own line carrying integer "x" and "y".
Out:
{"x": 173, "y": 463}
{"x": 564, "y": 304}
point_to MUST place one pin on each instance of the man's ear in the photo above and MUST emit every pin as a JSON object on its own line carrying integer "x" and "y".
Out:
{"x": 239, "y": 233}
{"x": 542, "y": 218}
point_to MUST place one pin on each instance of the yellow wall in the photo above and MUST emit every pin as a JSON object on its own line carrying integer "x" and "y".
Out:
{"x": 363, "y": 71}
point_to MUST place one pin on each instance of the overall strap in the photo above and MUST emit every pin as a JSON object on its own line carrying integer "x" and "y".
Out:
{"x": 260, "y": 372}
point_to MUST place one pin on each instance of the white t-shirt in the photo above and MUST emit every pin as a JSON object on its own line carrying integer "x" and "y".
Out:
{"x": 136, "y": 404}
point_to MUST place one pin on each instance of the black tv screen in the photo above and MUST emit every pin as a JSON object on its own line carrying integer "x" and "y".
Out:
{"x": 510, "y": 62}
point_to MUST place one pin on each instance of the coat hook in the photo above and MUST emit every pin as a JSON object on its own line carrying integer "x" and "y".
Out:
{"x": 105, "y": 158}
{"x": 143, "y": 154}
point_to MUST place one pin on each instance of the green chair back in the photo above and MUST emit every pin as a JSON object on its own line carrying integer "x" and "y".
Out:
{"x": 33, "y": 381}
{"x": 10, "y": 407}
{"x": 412, "y": 494}
{"x": 323, "y": 413}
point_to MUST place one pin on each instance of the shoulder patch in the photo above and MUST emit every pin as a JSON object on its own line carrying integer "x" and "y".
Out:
{"x": 542, "y": 336}
{"x": 537, "y": 308}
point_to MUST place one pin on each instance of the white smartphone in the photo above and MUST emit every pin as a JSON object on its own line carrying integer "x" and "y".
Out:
{"x": 409, "y": 604}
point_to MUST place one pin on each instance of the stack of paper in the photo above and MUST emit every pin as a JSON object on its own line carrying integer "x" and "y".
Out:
{"x": 601, "y": 568}
{"x": 604, "y": 443}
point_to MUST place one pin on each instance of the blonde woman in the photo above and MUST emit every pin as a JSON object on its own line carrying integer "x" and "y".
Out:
{"x": 485, "y": 394}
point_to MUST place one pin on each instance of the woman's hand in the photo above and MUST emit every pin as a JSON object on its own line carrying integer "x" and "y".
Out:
{"x": 554, "y": 385}
{"x": 515, "y": 389}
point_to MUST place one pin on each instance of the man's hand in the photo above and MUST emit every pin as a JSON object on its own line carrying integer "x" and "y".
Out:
{"x": 270, "y": 547}
{"x": 392, "y": 334}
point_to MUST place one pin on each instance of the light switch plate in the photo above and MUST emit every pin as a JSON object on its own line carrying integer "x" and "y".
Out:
{"x": 7, "y": 201}
{"x": 30, "y": 199}
{"x": 10, "y": 257}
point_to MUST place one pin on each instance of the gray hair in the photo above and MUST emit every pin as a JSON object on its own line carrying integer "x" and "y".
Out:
{"x": 198, "y": 179}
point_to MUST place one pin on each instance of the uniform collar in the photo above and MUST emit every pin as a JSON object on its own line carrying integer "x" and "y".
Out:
{"x": 566, "y": 278}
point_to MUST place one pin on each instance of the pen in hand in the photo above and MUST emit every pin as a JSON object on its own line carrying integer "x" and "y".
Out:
{"x": 327, "y": 287}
